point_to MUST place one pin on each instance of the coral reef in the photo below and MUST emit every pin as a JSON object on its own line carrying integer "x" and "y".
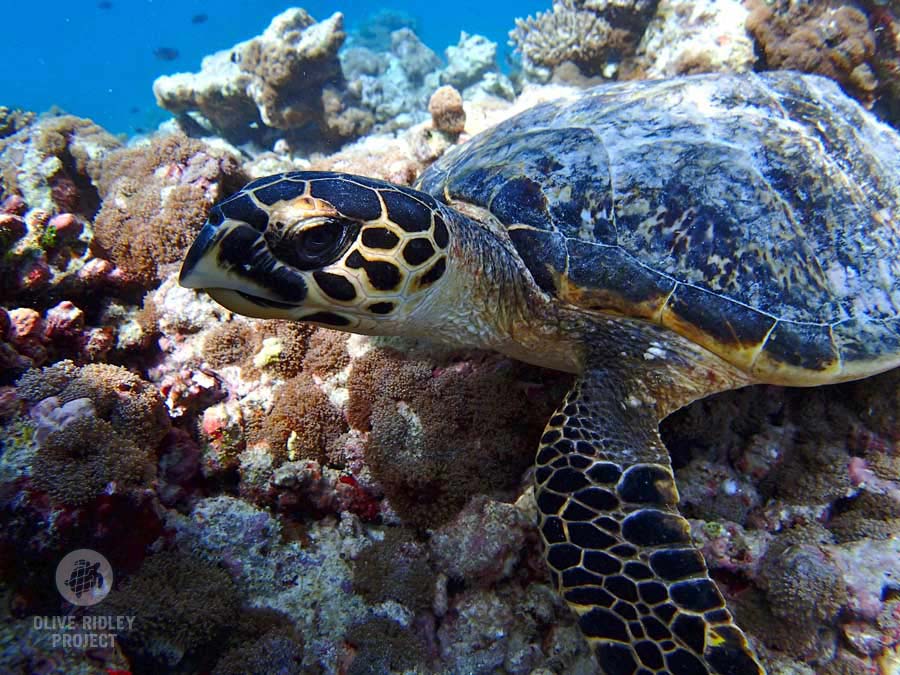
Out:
{"x": 595, "y": 35}
{"x": 278, "y": 497}
{"x": 156, "y": 198}
{"x": 286, "y": 82}
{"x": 691, "y": 36}
{"x": 395, "y": 84}
{"x": 183, "y": 607}
{"x": 831, "y": 38}
{"x": 54, "y": 163}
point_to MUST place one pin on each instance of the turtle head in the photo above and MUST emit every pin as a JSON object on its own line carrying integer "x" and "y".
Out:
{"x": 338, "y": 250}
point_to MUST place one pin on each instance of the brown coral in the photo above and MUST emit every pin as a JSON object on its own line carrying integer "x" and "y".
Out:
{"x": 287, "y": 79}
{"x": 292, "y": 340}
{"x": 446, "y": 108}
{"x": 56, "y": 158}
{"x": 156, "y": 199}
{"x": 183, "y": 606}
{"x": 440, "y": 435}
{"x": 76, "y": 463}
{"x": 326, "y": 353}
{"x": 302, "y": 422}
{"x": 395, "y": 568}
{"x": 263, "y": 642}
{"x": 230, "y": 343}
{"x": 829, "y": 38}
{"x": 133, "y": 407}
{"x": 383, "y": 646}
{"x": 12, "y": 120}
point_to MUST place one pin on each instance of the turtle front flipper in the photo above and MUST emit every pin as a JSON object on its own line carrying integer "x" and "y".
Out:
{"x": 618, "y": 550}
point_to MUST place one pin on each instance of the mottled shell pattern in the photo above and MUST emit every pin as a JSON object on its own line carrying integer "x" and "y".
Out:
{"x": 758, "y": 215}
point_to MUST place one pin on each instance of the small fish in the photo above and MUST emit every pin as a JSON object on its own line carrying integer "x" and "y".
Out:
{"x": 104, "y": 5}
{"x": 165, "y": 53}
{"x": 199, "y": 18}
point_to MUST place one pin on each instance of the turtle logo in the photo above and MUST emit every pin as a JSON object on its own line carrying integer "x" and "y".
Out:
{"x": 84, "y": 577}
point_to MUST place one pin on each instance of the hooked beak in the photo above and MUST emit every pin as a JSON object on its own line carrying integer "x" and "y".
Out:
{"x": 232, "y": 262}
{"x": 198, "y": 269}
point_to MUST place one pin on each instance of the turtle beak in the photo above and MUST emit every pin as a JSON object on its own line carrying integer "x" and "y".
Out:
{"x": 232, "y": 262}
{"x": 198, "y": 269}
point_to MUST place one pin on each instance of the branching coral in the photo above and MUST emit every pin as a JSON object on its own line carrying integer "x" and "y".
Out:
{"x": 156, "y": 198}
{"x": 592, "y": 34}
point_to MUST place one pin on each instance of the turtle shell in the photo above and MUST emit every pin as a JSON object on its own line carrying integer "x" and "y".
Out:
{"x": 758, "y": 215}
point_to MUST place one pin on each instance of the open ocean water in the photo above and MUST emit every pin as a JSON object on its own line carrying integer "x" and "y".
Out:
{"x": 98, "y": 58}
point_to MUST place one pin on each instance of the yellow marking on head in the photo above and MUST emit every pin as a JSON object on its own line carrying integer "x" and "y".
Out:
{"x": 301, "y": 208}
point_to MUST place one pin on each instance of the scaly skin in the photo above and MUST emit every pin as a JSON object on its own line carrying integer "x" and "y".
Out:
{"x": 619, "y": 552}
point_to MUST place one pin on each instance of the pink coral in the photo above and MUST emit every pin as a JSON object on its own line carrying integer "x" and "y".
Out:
{"x": 26, "y": 334}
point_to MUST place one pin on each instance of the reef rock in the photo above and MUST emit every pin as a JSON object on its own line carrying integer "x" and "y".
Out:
{"x": 52, "y": 163}
{"x": 287, "y": 79}
{"x": 395, "y": 85}
{"x": 691, "y": 36}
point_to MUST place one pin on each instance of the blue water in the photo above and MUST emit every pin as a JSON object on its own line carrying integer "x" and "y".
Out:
{"x": 96, "y": 59}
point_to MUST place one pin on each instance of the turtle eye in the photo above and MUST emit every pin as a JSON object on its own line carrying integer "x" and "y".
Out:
{"x": 314, "y": 247}
{"x": 317, "y": 241}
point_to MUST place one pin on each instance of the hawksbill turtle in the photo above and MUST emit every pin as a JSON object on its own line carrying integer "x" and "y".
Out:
{"x": 664, "y": 241}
